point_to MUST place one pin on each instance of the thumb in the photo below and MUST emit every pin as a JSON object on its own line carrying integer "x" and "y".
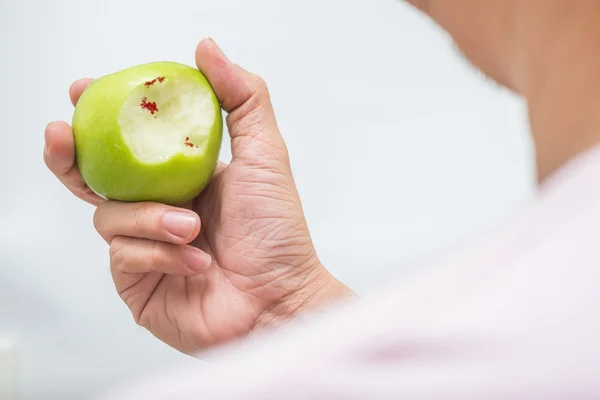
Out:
{"x": 245, "y": 97}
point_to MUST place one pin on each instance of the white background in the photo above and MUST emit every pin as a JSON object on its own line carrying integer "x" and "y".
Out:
{"x": 401, "y": 152}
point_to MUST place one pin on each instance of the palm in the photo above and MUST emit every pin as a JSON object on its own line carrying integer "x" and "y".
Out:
{"x": 253, "y": 227}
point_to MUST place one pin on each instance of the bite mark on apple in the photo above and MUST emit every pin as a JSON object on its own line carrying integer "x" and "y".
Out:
{"x": 150, "y": 106}
{"x": 160, "y": 79}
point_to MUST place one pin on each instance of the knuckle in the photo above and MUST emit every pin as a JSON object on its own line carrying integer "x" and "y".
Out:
{"x": 98, "y": 220}
{"x": 142, "y": 216}
{"x": 137, "y": 318}
{"x": 117, "y": 253}
{"x": 261, "y": 86}
{"x": 158, "y": 256}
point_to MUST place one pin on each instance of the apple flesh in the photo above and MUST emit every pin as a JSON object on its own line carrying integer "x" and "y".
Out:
{"x": 148, "y": 133}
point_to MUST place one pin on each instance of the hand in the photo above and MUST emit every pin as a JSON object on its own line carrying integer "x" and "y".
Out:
{"x": 249, "y": 264}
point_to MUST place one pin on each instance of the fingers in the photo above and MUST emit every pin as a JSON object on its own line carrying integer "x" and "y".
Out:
{"x": 232, "y": 88}
{"x": 59, "y": 147}
{"x": 152, "y": 221}
{"x": 151, "y": 237}
{"x": 59, "y": 156}
{"x": 245, "y": 96}
{"x": 59, "y": 151}
{"x": 77, "y": 89}
{"x": 133, "y": 255}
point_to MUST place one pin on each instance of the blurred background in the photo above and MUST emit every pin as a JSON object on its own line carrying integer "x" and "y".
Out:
{"x": 401, "y": 152}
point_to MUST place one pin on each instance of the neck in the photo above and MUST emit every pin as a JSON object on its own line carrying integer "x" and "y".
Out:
{"x": 547, "y": 51}
{"x": 563, "y": 89}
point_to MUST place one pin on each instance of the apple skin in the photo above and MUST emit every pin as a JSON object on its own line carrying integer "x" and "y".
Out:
{"x": 107, "y": 163}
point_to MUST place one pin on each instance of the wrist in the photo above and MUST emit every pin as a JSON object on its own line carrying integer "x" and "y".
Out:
{"x": 321, "y": 289}
{"x": 317, "y": 289}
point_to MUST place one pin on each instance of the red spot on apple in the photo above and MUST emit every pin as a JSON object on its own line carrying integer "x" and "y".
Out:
{"x": 160, "y": 79}
{"x": 150, "y": 106}
{"x": 188, "y": 143}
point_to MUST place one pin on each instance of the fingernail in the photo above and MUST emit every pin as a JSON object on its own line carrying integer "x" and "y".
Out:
{"x": 46, "y": 148}
{"x": 179, "y": 223}
{"x": 46, "y": 134}
{"x": 195, "y": 258}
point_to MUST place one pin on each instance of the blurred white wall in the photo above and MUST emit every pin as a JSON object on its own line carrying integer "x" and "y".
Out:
{"x": 400, "y": 150}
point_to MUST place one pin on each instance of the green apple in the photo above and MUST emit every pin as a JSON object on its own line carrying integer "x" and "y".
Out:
{"x": 148, "y": 133}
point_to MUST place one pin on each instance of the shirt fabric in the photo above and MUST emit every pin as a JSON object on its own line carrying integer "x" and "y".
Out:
{"x": 515, "y": 316}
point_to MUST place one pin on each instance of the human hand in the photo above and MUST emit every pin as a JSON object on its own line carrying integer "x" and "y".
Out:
{"x": 238, "y": 257}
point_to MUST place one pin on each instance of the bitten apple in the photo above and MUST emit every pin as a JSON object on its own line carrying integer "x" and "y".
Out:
{"x": 148, "y": 133}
